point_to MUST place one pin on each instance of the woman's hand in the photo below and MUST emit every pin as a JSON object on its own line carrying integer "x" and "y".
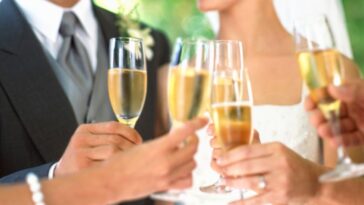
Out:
{"x": 287, "y": 178}
{"x": 217, "y": 151}
{"x": 351, "y": 115}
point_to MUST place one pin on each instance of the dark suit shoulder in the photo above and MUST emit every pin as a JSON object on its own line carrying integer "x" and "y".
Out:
{"x": 161, "y": 47}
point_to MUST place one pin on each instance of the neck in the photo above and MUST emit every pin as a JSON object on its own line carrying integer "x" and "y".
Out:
{"x": 65, "y": 3}
{"x": 255, "y": 23}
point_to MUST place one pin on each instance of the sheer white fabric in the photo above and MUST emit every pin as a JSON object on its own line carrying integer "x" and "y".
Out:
{"x": 289, "y": 10}
{"x": 288, "y": 125}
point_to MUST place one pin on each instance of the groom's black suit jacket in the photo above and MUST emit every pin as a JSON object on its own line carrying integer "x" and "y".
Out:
{"x": 36, "y": 118}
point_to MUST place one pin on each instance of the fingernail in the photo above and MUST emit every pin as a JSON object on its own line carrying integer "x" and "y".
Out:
{"x": 222, "y": 181}
{"x": 219, "y": 161}
{"x": 341, "y": 88}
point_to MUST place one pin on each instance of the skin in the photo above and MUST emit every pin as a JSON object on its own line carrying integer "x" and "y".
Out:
{"x": 269, "y": 51}
{"x": 65, "y": 3}
{"x": 169, "y": 166}
{"x": 352, "y": 121}
{"x": 352, "y": 124}
{"x": 91, "y": 144}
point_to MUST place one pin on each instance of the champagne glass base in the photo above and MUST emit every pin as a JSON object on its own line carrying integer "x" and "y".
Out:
{"x": 342, "y": 172}
{"x": 170, "y": 196}
{"x": 215, "y": 189}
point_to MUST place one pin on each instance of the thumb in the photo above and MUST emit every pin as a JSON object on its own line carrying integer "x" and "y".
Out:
{"x": 348, "y": 93}
{"x": 179, "y": 134}
{"x": 256, "y": 137}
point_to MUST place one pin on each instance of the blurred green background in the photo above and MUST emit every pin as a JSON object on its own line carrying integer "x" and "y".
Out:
{"x": 182, "y": 18}
{"x": 354, "y": 10}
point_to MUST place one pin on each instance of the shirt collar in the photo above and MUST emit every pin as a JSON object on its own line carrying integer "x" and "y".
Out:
{"x": 46, "y": 17}
{"x": 83, "y": 11}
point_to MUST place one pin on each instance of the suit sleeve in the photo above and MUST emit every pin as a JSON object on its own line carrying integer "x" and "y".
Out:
{"x": 19, "y": 176}
{"x": 162, "y": 48}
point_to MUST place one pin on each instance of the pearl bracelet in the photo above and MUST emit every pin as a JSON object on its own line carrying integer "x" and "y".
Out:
{"x": 35, "y": 188}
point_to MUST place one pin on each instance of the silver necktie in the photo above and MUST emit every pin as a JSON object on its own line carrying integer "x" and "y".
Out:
{"x": 74, "y": 59}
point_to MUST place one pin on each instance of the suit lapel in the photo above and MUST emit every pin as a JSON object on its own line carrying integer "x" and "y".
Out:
{"x": 107, "y": 23}
{"x": 31, "y": 85}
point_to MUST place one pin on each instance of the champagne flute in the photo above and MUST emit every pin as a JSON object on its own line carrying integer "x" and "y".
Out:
{"x": 189, "y": 86}
{"x": 231, "y": 102}
{"x": 127, "y": 79}
{"x": 321, "y": 65}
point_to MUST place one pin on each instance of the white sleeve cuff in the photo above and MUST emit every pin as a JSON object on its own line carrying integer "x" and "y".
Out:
{"x": 51, "y": 171}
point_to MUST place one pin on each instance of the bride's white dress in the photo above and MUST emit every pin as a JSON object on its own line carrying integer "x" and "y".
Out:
{"x": 286, "y": 124}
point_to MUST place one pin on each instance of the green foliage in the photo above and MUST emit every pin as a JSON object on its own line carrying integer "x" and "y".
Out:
{"x": 354, "y": 10}
{"x": 177, "y": 18}
{"x": 181, "y": 18}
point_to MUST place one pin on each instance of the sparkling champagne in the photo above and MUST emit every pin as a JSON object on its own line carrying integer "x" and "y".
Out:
{"x": 127, "y": 92}
{"x": 188, "y": 93}
{"x": 319, "y": 69}
{"x": 226, "y": 90}
{"x": 232, "y": 122}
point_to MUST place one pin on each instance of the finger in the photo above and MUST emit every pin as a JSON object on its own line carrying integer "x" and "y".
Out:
{"x": 343, "y": 110}
{"x": 353, "y": 139}
{"x": 182, "y": 183}
{"x": 117, "y": 140}
{"x": 210, "y": 129}
{"x": 216, "y": 167}
{"x": 246, "y": 152}
{"x": 309, "y": 104}
{"x": 346, "y": 93}
{"x": 316, "y": 118}
{"x": 347, "y": 125}
{"x": 182, "y": 155}
{"x": 183, "y": 170}
{"x": 254, "y": 166}
{"x": 214, "y": 143}
{"x": 217, "y": 153}
{"x": 264, "y": 198}
{"x": 256, "y": 139}
{"x": 178, "y": 135}
{"x": 103, "y": 152}
{"x": 248, "y": 182}
{"x": 113, "y": 128}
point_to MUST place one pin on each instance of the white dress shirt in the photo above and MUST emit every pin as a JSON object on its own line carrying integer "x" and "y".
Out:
{"x": 45, "y": 19}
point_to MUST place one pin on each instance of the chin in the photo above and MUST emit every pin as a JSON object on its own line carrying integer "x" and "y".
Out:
{"x": 215, "y": 5}
{"x": 204, "y": 5}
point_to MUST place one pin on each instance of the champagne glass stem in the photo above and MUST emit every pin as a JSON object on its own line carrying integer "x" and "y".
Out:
{"x": 217, "y": 187}
{"x": 344, "y": 169}
{"x": 334, "y": 121}
{"x": 242, "y": 194}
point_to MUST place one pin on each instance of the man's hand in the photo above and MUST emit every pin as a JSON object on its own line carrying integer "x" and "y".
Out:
{"x": 154, "y": 166}
{"x": 351, "y": 115}
{"x": 94, "y": 143}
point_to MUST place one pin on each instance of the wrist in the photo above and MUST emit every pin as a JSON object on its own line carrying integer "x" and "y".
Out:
{"x": 85, "y": 187}
{"x": 320, "y": 193}
{"x": 108, "y": 183}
